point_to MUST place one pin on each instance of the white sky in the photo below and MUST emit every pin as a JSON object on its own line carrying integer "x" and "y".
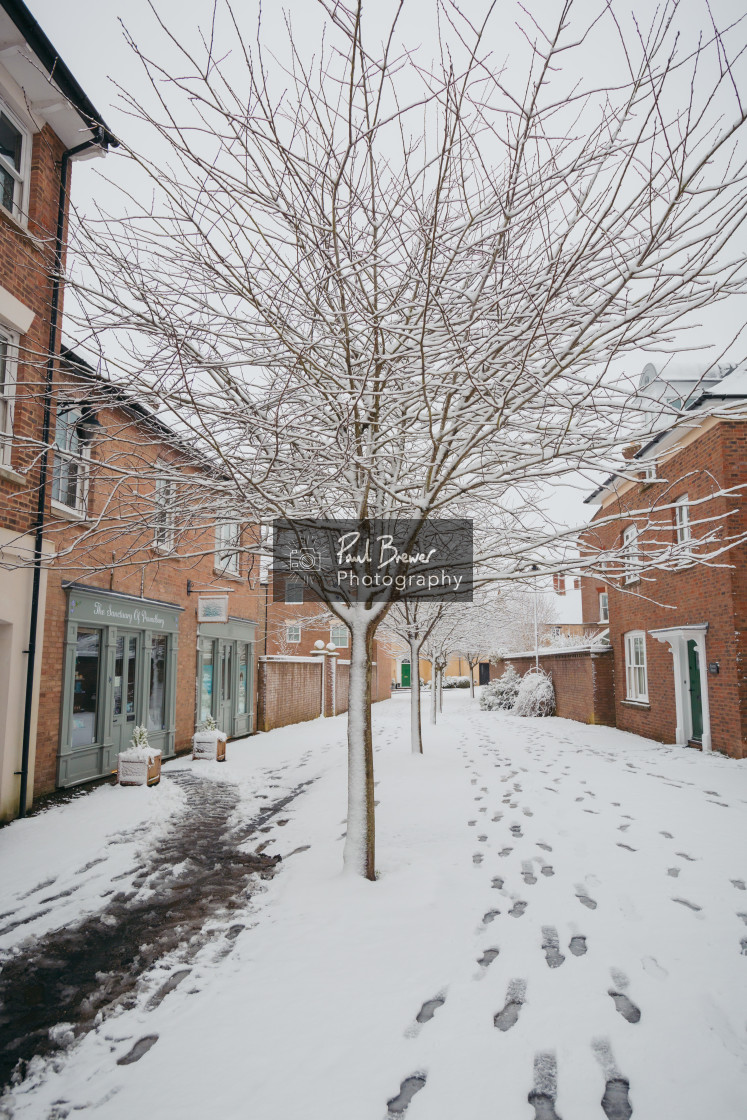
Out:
{"x": 89, "y": 37}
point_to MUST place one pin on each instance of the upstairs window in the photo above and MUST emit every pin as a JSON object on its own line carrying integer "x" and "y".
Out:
{"x": 604, "y": 606}
{"x": 163, "y": 513}
{"x": 71, "y": 459}
{"x": 338, "y": 636}
{"x": 7, "y": 391}
{"x": 683, "y": 528}
{"x": 636, "y": 675}
{"x": 631, "y": 555}
{"x": 14, "y": 142}
{"x": 558, "y": 583}
{"x": 293, "y": 591}
{"x": 228, "y": 547}
{"x": 293, "y": 631}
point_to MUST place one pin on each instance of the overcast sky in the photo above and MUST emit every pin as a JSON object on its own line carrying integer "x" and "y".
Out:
{"x": 89, "y": 37}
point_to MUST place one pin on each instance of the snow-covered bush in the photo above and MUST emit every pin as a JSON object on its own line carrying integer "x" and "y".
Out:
{"x": 209, "y": 723}
{"x": 500, "y": 695}
{"x": 536, "y": 695}
{"x": 456, "y": 682}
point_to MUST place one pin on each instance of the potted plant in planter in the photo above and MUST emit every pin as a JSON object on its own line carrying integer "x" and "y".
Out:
{"x": 141, "y": 764}
{"x": 209, "y": 743}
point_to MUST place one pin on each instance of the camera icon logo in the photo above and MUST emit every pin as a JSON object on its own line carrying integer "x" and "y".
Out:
{"x": 305, "y": 560}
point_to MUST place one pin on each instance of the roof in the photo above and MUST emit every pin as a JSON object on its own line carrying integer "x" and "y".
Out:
{"x": 730, "y": 387}
{"x": 19, "y": 30}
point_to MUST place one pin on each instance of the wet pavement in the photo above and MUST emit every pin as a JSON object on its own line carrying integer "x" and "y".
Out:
{"x": 55, "y": 988}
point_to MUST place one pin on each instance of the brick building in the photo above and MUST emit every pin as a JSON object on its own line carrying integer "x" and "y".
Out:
{"x": 123, "y": 642}
{"x": 46, "y": 122}
{"x": 677, "y": 621}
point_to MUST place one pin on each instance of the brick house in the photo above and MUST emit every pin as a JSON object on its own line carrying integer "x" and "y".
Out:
{"x": 123, "y": 641}
{"x": 46, "y": 123}
{"x": 678, "y": 629}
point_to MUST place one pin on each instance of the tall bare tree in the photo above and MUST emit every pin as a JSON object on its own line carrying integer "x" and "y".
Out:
{"x": 368, "y": 285}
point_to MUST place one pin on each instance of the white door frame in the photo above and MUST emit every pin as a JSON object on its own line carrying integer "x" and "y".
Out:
{"x": 677, "y": 638}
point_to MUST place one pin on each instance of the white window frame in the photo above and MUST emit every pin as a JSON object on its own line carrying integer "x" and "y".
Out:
{"x": 8, "y": 393}
{"x": 164, "y": 524}
{"x": 683, "y": 528}
{"x": 82, "y": 459}
{"x": 636, "y": 667}
{"x": 604, "y": 606}
{"x": 21, "y": 193}
{"x": 342, "y": 629}
{"x": 649, "y": 472}
{"x": 631, "y": 555}
{"x": 296, "y": 628}
{"x": 228, "y": 546}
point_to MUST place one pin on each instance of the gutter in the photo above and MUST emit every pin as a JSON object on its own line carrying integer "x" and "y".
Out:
{"x": 99, "y": 141}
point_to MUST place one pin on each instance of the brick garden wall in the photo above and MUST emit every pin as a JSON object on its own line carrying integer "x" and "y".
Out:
{"x": 289, "y": 692}
{"x": 583, "y": 682}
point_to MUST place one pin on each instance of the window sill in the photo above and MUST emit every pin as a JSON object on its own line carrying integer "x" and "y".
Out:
{"x": 223, "y": 574}
{"x": 60, "y": 510}
{"x": 20, "y": 227}
{"x": 12, "y": 476}
{"x": 643, "y": 705}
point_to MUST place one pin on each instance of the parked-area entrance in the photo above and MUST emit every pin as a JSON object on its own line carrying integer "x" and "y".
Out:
{"x": 225, "y": 657}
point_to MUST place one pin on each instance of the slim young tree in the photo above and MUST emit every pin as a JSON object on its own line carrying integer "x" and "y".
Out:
{"x": 368, "y": 284}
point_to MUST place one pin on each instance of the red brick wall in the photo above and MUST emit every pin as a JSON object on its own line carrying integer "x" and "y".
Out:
{"x": 289, "y": 692}
{"x": 117, "y": 555}
{"x": 695, "y": 594}
{"x": 583, "y": 683}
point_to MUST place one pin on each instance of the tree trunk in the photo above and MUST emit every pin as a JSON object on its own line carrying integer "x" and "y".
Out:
{"x": 416, "y": 738}
{"x": 471, "y": 680}
{"x": 359, "y": 853}
{"x": 433, "y": 691}
{"x": 440, "y": 690}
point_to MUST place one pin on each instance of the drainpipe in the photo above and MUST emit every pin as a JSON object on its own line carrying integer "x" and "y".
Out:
{"x": 98, "y": 141}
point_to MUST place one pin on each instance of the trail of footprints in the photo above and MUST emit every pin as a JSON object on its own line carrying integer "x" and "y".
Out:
{"x": 615, "y": 1102}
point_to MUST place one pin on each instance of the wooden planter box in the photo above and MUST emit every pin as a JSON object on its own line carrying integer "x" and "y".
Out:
{"x": 209, "y": 746}
{"x": 136, "y": 771}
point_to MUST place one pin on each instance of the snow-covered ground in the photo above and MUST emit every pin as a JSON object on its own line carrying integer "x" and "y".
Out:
{"x": 528, "y": 869}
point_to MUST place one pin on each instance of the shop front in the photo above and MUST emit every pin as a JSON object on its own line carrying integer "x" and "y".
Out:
{"x": 119, "y": 672}
{"x": 225, "y": 679}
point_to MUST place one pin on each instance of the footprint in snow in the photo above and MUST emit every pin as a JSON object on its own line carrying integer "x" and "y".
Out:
{"x": 684, "y": 855}
{"x": 584, "y": 899}
{"x": 542, "y": 1096}
{"x": 625, "y": 1007}
{"x": 489, "y": 916}
{"x": 615, "y": 1103}
{"x": 738, "y": 883}
{"x": 398, "y": 1105}
{"x": 527, "y": 812}
{"x": 545, "y": 847}
{"x": 141, "y": 1047}
{"x": 673, "y": 871}
{"x": 488, "y": 957}
{"x": 516, "y": 830}
{"x": 477, "y": 858}
{"x": 551, "y": 947}
{"x": 429, "y": 1009}
{"x": 667, "y": 834}
{"x": 527, "y": 873}
{"x": 497, "y": 883}
{"x": 508, "y": 1016}
{"x": 686, "y": 902}
{"x": 505, "y": 852}
{"x": 547, "y": 870}
{"x": 518, "y": 909}
{"x": 577, "y": 945}
{"x": 627, "y": 847}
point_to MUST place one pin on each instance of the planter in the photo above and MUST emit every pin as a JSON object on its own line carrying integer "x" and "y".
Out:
{"x": 139, "y": 768}
{"x": 209, "y": 746}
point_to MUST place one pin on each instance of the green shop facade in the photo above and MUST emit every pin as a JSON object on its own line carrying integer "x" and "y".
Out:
{"x": 120, "y": 671}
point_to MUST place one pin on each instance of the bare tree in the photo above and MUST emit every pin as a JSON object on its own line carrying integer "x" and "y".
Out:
{"x": 411, "y": 624}
{"x": 370, "y": 286}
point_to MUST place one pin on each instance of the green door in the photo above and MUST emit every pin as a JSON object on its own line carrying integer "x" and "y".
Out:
{"x": 405, "y": 674}
{"x": 125, "y": 712}
{"x": 696, "y": 700}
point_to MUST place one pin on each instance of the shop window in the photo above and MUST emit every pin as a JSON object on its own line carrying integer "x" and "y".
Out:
{"x": 71, "y": 459}
{"x": 86, "y": 686}
{"x": 631, "y": 555}
{"x": 206, "y": 682}
{"x": 228, "y": 546}
{"x": 125, "y": 665}
{"x": 14, "y": 145}
{"x": 636, "y": 675}
{"x": 163, "y": 512}
{"x": 157, "y": 689}
{"x": 338, "y": 636}
{"x": 293, "y": 631}
{"x": 604, "y": 606}
{"x": 8, "y": 351}
{"x": 242, "y": 700}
